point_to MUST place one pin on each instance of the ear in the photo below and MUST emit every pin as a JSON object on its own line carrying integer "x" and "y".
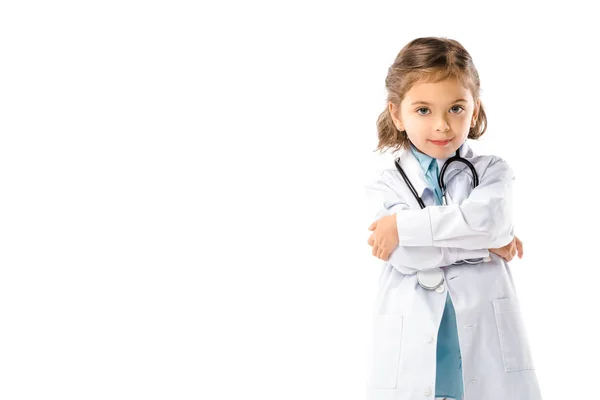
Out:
{"x": 394, "y": 112}
{"x": 475, "y": 113}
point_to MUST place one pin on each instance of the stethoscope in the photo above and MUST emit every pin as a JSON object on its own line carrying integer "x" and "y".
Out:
{"x": 432, "y": 279}
{"x": 449, "y": 161}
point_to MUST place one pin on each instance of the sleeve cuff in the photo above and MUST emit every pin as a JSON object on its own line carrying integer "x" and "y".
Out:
{"x": 467, "y": 254}
{"x": 414, "y": 227}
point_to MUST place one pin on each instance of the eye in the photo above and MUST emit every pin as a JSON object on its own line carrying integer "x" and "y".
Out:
{"x": 422, "y": 108}
{"x": 461, "y": 108}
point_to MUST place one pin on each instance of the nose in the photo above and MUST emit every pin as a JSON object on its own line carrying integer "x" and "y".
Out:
{"x": 442, "y": 125}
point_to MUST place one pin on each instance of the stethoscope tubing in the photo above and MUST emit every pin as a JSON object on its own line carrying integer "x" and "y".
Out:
{"x": 441, "y": 183}
{"x": 456, "y": 157}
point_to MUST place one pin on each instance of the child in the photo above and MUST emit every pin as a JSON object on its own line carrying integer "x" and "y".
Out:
{"x": 446, "y": 322}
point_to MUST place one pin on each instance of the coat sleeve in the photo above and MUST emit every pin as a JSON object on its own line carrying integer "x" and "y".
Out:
{"x": 483, "y": 220}
{"x": 384, "y": 200}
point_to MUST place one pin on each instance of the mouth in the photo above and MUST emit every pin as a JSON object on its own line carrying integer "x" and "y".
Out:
{"x": 441, "y": 142}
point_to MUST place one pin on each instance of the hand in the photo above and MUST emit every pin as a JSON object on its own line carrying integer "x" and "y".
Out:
{"x": 510, "y": 250}
{"x": 384, "y": 238}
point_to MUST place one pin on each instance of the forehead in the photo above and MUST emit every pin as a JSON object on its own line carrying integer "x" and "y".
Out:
{"x": 442, "y": 92}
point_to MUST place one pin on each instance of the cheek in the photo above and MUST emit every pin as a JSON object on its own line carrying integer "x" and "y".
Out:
{"x": 418, "y": 125}
{"x": 461, "y": 123}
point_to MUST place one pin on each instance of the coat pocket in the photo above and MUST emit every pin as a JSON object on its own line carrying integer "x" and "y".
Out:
{"x": 385, "y": 353}
{"x": 513, "y": 336}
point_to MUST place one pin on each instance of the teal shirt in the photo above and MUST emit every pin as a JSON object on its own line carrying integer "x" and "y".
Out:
{"x": 448, "y": 379}
{"x": 431, "y": 170}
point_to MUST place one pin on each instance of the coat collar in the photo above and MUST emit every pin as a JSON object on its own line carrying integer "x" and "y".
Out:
{"x": 425, "y": 160}
{"x": 414, "y": 171}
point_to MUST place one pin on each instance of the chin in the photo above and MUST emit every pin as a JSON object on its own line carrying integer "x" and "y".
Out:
{"x": 443, "y": 151}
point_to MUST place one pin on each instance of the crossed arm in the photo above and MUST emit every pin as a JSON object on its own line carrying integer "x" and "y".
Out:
{"x": 440, "y": 235}
{"x": 385, "y": 229}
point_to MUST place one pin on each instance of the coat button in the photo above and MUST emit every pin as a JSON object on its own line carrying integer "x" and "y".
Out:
{"x": 440, "y": 288}
{"x": 427, "y": 392}
{"x": 429, "y": 339}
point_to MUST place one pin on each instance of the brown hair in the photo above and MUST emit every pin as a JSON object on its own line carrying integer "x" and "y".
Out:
{"x": 428, "y": 59}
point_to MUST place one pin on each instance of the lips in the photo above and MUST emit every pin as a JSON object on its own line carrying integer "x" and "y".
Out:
{"x": 440, "y": 142}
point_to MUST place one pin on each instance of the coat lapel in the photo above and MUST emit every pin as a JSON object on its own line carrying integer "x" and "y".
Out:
{"x": 412, "y": 169}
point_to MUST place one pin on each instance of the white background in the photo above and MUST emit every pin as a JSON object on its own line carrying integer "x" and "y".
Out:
{"x": 181, "y": 190}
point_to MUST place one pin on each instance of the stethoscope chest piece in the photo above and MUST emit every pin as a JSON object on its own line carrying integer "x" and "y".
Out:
{"x": 431, "y": 278}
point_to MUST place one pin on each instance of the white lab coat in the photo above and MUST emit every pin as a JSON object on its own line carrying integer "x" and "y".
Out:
{"x": 496, "y": 360}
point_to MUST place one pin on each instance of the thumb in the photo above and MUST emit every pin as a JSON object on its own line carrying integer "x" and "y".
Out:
{"x": 373, "y": 226}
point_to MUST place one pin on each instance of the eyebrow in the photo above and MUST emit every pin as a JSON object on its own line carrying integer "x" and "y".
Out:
{"x": 424, "y": 102}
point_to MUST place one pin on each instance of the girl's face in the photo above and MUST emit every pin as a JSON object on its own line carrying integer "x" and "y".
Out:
{"x": 436, "y": 116}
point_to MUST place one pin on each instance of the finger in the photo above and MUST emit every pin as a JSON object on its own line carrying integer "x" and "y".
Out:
{"x": 385, "y": 254}
{"x": 375, "y": 250}
{"x": 373, "y": 225}
{"x": 520, "y": 248}
{"x": 382, "y": 255}
{"x": 371, "y": 240}
{"x": 512, "y": 252}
